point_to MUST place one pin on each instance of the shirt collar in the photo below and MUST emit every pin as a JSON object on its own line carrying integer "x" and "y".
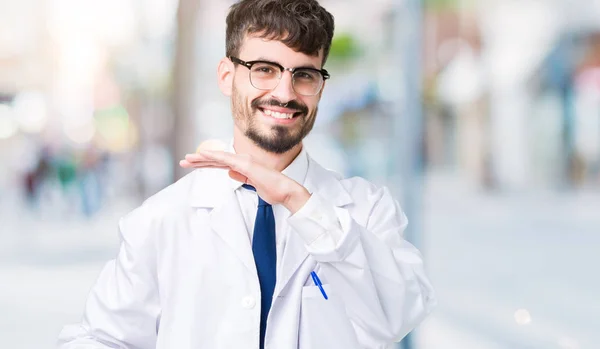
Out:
{"x": 297, "y": 170}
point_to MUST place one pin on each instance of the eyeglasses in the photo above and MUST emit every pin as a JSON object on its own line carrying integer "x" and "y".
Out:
{"x": 265, "y": 75}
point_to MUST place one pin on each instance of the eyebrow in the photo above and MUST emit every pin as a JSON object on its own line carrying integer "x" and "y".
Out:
{"x": 265, "y": 59}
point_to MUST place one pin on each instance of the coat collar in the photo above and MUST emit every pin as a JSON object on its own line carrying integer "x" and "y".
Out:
{"x": 327, "y": 183}
{"x": 209, "y": 188}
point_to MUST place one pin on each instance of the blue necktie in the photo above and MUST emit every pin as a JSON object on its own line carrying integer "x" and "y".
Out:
{"x": 265, "y": 258}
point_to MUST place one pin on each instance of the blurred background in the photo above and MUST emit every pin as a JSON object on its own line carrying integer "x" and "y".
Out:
{"x": 483, "y": 116}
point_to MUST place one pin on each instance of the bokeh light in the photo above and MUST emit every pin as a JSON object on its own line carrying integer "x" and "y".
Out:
{"x": 8, "y": 125}
{"x": 31, "y": 111}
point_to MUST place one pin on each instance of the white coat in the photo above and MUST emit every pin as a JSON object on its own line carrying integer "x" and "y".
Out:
{"x": 185, "y": 278}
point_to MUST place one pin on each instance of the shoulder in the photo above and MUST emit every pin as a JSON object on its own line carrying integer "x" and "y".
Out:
{"x": 358, "y": 190}
{"x": 374, "y": 206}
{"x": 169, "y": 203}
{"x": 174, "y": 196}
{"x": 363, "y": 190}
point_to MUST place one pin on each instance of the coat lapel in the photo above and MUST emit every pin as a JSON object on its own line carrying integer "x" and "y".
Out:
{"x": 328, "y": 185}
{"x": 294, "y": 254}
{"x": 211, "y": 189}
{"x": 228, "y": 222}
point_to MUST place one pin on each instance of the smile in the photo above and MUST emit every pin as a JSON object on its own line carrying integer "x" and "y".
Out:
{"x": 278, "y": 115}
{"x": 281, "y": 114}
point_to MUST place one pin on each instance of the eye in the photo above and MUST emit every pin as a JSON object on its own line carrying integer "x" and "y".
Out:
{"x": 305, "y": 75}
{"x": 266, "y": 70}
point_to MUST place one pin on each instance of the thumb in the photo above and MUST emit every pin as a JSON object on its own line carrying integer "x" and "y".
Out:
{"x": 238, "y": 176}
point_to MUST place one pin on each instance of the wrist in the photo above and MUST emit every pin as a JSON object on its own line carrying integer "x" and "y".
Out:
{"x": 296, "y": 198}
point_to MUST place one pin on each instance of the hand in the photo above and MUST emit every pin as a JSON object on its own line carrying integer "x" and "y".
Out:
{"x": 212, "y": 144}
{"x": 272, "y": 186}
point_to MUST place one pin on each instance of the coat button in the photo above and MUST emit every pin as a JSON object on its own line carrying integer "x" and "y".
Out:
{"x": 248, "y": 302}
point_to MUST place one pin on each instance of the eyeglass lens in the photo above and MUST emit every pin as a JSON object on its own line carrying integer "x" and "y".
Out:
{"x": 265, "y": 76}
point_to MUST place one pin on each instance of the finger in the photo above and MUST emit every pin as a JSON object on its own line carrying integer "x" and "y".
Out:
{"x": 200, "y": 160}
{"x": 218, "y": 155}
{"x": 212, "y": 144}
{"x": 239, "y": 163}
{"x": 238, "y": 176}
{"x": 187, "y": 164}
{"x": 197, "y": 157}
{"x": 204, "y": 162}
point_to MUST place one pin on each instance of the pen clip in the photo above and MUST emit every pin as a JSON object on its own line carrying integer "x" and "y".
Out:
{"x": 318, "y": 283}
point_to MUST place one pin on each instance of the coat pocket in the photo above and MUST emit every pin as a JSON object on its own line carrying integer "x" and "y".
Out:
{"x": 323, "y": 322}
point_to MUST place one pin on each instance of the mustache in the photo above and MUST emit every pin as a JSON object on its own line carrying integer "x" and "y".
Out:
{"x": 293, "y": 104}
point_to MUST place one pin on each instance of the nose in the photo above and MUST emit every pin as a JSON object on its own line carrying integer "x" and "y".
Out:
{"x": 284, "y": 91}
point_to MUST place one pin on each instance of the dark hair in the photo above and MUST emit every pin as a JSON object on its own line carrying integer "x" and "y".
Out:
{"x": 302, "y": 25}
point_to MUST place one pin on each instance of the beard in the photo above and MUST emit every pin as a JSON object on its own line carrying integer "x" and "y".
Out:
{"x": 278, "y": 139}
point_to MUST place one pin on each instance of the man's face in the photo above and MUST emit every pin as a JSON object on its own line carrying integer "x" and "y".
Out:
{"x": 258, "y": 114}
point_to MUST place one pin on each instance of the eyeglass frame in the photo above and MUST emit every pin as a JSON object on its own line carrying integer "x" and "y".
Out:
{"x": 248, "y": 64}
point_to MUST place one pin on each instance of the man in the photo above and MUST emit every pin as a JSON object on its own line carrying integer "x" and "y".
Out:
{"x": 261, "y": 247}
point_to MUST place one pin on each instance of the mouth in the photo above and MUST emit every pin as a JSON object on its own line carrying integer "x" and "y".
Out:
{"x": 284, "y": 116}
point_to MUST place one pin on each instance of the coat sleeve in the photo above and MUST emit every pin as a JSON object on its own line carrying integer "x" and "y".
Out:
{"x": 379, "y": 275}
{"x": 122, "y": 309}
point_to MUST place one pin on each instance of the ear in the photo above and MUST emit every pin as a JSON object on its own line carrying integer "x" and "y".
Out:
{"x": 225, "y": 72}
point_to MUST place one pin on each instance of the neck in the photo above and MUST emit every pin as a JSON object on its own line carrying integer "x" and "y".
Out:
{"x": 278, "y": 162}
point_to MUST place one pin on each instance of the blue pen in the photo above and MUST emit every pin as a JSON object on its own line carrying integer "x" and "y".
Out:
{"x": 318, "y": 283}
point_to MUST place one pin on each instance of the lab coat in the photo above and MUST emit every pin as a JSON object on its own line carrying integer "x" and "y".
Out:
{"x": 185, "y": 276}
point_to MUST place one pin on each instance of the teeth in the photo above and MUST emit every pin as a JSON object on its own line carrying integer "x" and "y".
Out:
{"x": 278, "y": 115}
